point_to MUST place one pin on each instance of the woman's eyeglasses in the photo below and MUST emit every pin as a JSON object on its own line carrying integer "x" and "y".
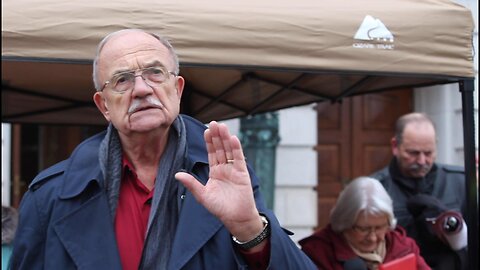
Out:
{"x": 364, "y": 231}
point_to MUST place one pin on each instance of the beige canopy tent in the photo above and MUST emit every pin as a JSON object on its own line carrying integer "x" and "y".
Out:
{"x": 242, "y": 57}
{"x": 238, "y": 57}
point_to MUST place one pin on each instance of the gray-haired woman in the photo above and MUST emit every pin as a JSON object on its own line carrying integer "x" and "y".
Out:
{"x": 362, "y": 233}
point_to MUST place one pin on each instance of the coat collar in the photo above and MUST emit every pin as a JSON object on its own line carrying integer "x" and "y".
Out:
{"x": 83, "y": 167}
{"x": 83, "y": 164}
{"x": 196, "y": 147}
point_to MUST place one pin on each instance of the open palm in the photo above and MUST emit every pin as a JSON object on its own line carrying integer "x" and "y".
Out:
{"x": 228, "y": 193}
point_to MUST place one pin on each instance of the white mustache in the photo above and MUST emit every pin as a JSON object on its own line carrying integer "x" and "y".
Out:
{"x": 141, "y": 103}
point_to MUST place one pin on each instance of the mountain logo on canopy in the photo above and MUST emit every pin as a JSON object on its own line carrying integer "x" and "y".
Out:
{"x": 376, "y": 33}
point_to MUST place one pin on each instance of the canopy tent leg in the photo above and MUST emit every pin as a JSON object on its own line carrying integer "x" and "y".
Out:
{"x": 467, "y": 89}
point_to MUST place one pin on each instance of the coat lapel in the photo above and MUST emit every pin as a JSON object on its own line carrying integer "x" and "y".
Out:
{"x": 195, "y": 227}
{"x": 88, "y": 236}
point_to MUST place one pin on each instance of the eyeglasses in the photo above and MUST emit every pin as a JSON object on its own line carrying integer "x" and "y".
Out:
{"x": 364, "y": 231}
{"x": 124, "y": 81}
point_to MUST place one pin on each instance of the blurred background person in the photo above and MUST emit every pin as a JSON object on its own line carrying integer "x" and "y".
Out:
{"x": 427, "y": 193}
{"x": 362, "y": 233}
{"x": 9, "y": 226}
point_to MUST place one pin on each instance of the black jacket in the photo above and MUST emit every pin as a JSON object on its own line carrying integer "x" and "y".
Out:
{"x": 447, "y": 185}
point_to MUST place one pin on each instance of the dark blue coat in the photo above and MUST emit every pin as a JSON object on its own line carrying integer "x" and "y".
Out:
{"x": 65, "y": 221}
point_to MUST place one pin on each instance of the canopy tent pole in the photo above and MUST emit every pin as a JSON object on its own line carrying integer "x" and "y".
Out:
{"x": 467, "y": 89}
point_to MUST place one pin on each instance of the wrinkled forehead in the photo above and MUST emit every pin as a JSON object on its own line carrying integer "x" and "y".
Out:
{"x": 131, "y": 49}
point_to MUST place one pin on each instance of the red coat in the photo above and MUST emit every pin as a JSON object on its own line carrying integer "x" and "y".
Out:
{"x": 329, "y": 250}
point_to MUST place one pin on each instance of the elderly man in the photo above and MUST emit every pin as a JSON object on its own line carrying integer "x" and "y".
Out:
{"x": 426, "y": 193}
{"x": 115, "y": 203}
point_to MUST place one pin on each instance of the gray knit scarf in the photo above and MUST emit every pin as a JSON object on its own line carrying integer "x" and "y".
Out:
{"x": 164, "y": 213}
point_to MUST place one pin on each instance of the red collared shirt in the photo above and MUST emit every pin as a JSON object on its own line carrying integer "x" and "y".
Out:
{"x": 131, "y": 218}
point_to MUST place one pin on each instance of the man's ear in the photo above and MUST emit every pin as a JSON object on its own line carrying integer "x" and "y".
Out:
{"x": 101, "y": 104}
{"x": 179, "y": 85}
{"x": 394, "y": 145}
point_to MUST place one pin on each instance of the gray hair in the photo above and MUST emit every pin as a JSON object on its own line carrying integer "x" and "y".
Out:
{"x": 406, "y": 119}
{"x": 361, "y": 194}
{"x": 163, "y": 40}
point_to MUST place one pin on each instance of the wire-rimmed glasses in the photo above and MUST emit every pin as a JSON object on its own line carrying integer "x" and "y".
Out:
{"x": 124, "y": 81}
